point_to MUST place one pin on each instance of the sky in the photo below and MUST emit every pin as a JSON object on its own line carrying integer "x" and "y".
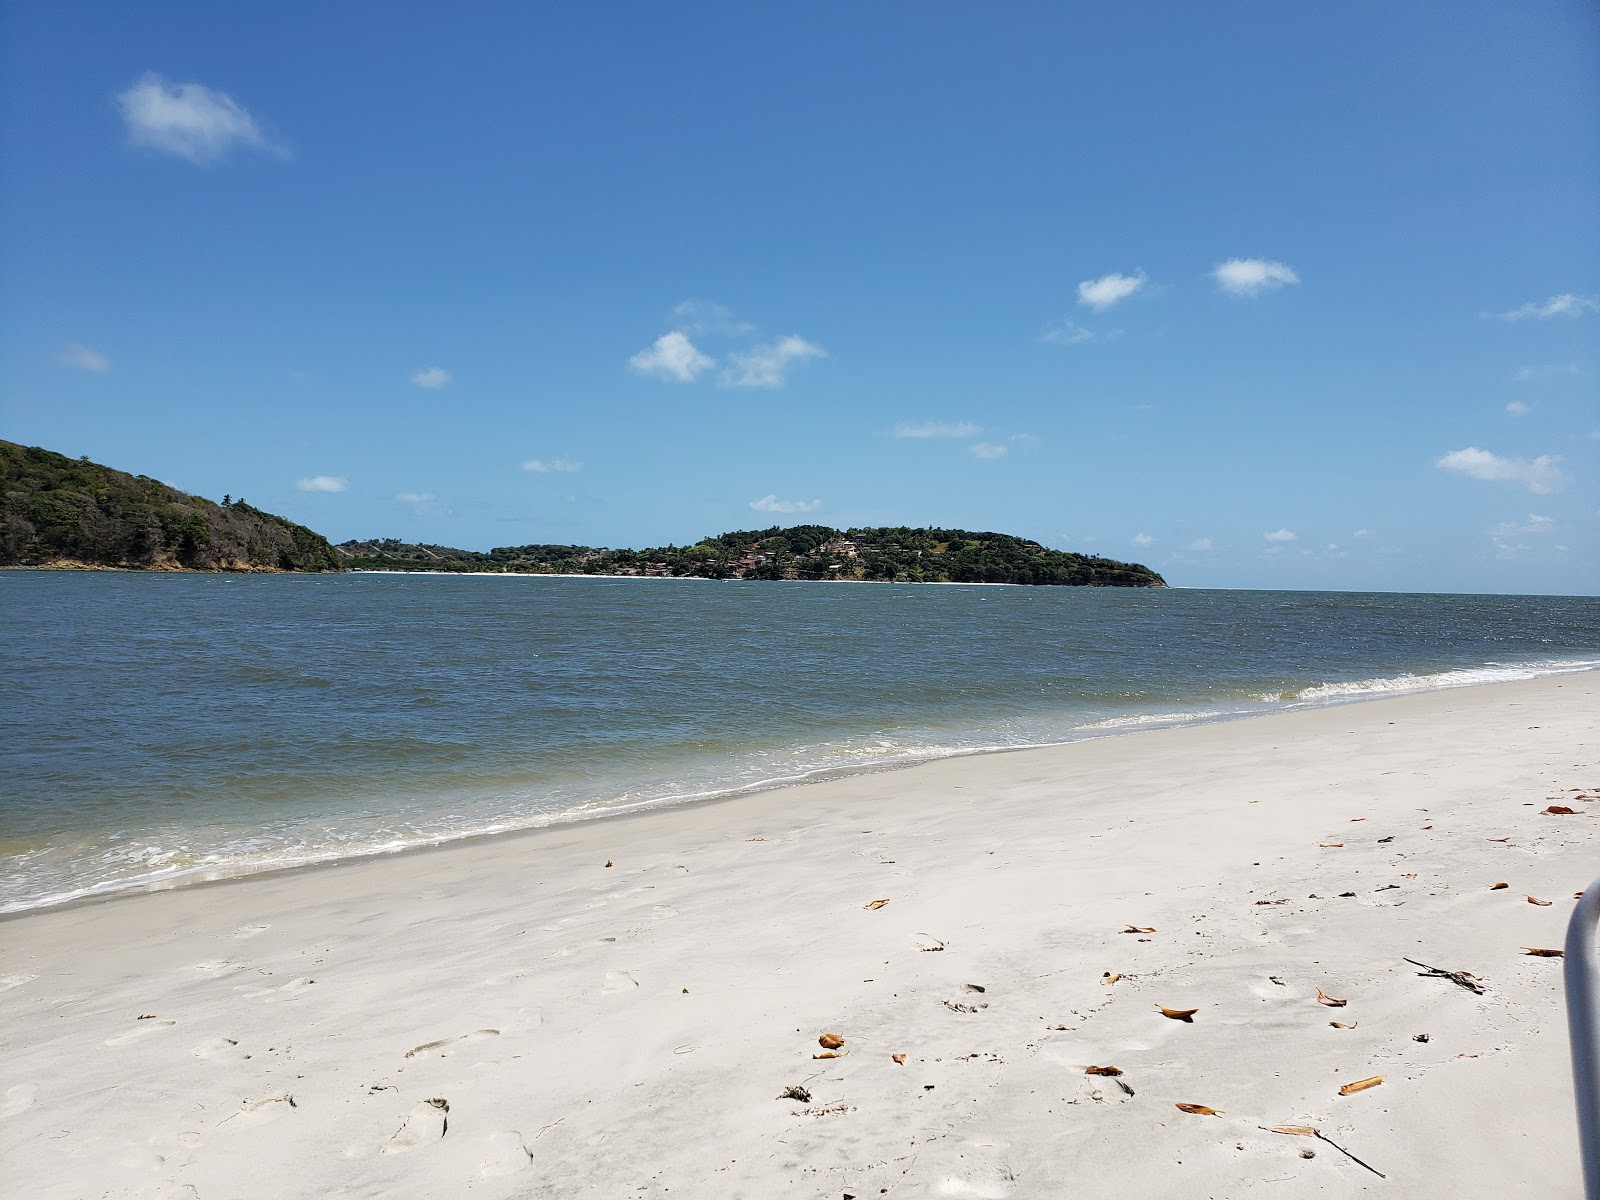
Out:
{"x": 1261, "y": 295}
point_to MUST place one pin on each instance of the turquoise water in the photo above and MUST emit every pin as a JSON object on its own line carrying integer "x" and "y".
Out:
{"x": 163, "y": 728}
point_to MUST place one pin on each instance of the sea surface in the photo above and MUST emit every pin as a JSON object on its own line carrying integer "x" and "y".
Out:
{"x": 159, "y": 729}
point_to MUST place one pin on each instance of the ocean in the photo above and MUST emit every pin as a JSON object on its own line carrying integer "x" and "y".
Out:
{"x": 160, "y": 729}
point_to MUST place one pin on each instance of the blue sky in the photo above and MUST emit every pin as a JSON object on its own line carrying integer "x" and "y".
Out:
{"x": 1262, "y": 295}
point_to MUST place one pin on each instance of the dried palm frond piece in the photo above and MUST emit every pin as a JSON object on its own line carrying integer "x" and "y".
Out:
{"x": 1361, "y": 1085}
{"x": 1199, "y": 1110}
{"x": 1102, "y": 1070}
{"x": 1539, "y": 952}
{"x": 1178, "y": 1014}
{"x": 1324, "y": 998}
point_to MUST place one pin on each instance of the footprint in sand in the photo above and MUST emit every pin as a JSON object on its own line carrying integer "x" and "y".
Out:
{"x": 217, "y": 966}
{"x": 7, "y": 982}
{"x": 976, "y": 1189}
{"x": 144, "y": 1029}
{"x": 18, "y": 1098}
{"x": 508, "y": 1154}
{"x": 214, "y": 1047}
{"x": 618, "y": 981}
{"x": 259, "y": 1112}
{"x": 427, "y": 1122}
{"x": 250, "y": 931}
{"x": 662, "y": 912}
{"x": 443, "y": 1046}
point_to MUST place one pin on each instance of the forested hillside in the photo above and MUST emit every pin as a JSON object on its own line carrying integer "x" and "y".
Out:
{"x": 898, "y": 553}
{"x": 70, "y": 511}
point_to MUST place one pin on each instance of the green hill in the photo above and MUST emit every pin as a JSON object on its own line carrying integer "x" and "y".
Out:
{"x": 60, "y": 511}
{"x": 889, "y": 554}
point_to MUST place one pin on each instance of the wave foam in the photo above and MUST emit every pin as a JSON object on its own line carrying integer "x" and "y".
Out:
{"x": 1433, "y": 681}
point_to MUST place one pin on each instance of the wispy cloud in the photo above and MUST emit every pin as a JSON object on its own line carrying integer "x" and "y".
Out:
{"x": 1547, "y": 371}
{"x": 547, "y": 466}
{"x": 1505, "y": 535}
{"x": 935, "y": 429}
{"x": 767, "y": 366}
{"x": 1204, "y": 543}
{"x": 432, "y": 377}
{"x": 770, "y": 503}
{"x": 85, "y": 359}
{"x": 1362, "y": 533}
{"x": 707, "y": 317}
{"x": 189, "y": 120}
{"x": 1068, "y": 332}
{"x": 1567, "y": 304}
{"x": 323, "y": 483}
{"x": 672, "y": 356}
{"x": 1143, "y": 539}
{"x": 1518, "y": 409}
{"x": 1100, "y": 294}
{"x": 1252, "y": 276}
{"x": 1538, "y": 475}
{"x": 1281, "y": 535}
{"x": 989, "y": 449}
{"x": 415, "y": 497}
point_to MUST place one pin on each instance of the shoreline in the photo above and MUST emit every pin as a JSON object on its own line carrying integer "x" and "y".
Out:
{"x": 619, "y": 1001}
{"x": 1117, "y": 727}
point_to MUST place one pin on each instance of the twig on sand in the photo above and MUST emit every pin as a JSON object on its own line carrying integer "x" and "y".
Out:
{"x": 1470, "y": 982}
{"x": 1318, "y": 1134}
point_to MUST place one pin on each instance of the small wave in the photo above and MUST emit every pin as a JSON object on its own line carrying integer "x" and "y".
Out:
{"x": 1147, "y": 720}
{"x": 1432, "y": 681}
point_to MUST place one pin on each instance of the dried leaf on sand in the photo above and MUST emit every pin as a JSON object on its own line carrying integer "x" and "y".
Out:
{"x": 1361, "y": 1085}
{"x": 1542, "y": 953}
{"x": 1324, "y": 998}
{"x": 831, "y": 1054}
{"x": 1139, "y": 929}
{"x": 899, "y": 1058}
{"x": 1331, "y": 845}
{"x": 876, "y": 903}
{"x": 1495, "y": 887}
{"x": 830, "y": 1041}
{"x": 1108, "y": 978}
{"x": 1295, "y": 1130}
{"x": 1536, "y": 900}
{"x": 1102, "y": 1070}
{"x": 1340, "y": 1025}
{"x": 1199, "y": 1110}
{"x": 1178, "y": 1014}
{"x": 1558, "y": 810}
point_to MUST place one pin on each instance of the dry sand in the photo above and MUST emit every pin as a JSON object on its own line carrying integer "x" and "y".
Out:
{"x": 517, "y": 1018}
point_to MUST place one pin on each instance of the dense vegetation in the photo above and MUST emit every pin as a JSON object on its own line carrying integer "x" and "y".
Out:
{"x": 802, "y": 552}
{"x": 55, "y": 509}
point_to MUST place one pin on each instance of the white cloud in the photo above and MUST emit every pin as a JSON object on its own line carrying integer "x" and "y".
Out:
{"x": 1547, "y": 371}
{"x": 765, "y": 366}
{"x": 1251, "y": 276}
{"x": 189, "y": 121}
{"x": 1142, "y": 539}
{"x": 1201, "y": 544}
{"x": 936, "y": 429}
{"x": 1070, "y": 333}
{"x": 1504, "y": 534}
{"x": 546, "y": 466}
{"x": 1362, "y": 533}
{"x": 415, "y": 497}
{"x": 322, "y": 483}
{"x": 1568, "y": 304}
{"x": 704, "y": 316}
{"x": 1518, "y": 409}
{"x": 1539, "y": 475}
{"x": 989, "y": 449}
{"x": 76, "y": 355}
{"x": 672, "y": 356}
{"x": 1100, "y": 294}
{"x": 770, "y": 503}
{"x": 432, "y": 377}
{"x": 1281, "y": 535}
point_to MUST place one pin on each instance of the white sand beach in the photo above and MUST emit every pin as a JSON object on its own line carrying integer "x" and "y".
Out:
{"x": 614, "y": 1009}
